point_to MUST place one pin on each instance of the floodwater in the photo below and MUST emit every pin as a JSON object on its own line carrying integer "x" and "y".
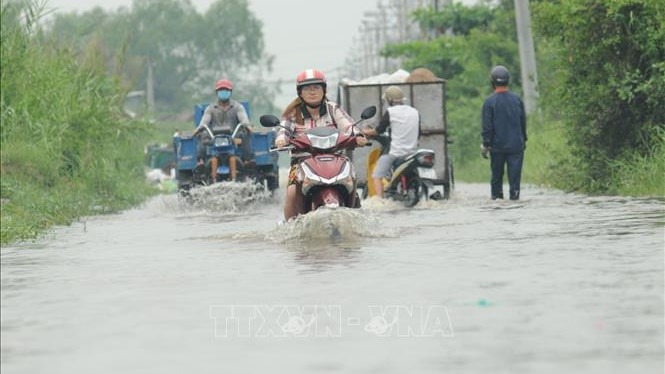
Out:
{"x": 554, "y": 283}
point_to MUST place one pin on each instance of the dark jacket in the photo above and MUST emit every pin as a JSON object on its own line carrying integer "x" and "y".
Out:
{"x": 504, "y": 122}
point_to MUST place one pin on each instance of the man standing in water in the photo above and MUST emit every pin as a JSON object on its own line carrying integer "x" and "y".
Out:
{"x": 504, "y": 134}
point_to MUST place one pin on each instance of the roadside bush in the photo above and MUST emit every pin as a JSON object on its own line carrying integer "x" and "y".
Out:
{"x": 67, "y": 150}
{"x": 611, "y": 85}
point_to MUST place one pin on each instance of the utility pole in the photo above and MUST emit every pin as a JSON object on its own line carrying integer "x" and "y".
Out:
{"x": 401, "y": 22}
{"x": 369, "y": 49}
{"x": 150, "y": 89}
{"x": 384, "y": 33}
{"x": 527, "y": 55}
{"x": 380, "y": 21}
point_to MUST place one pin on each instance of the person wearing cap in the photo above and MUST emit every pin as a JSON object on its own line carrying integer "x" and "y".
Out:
{"x": 222, "y": 117}
{"x": 503, "y": 134}
{"x": 311, "y": 108}
{"x": 403, "y": 124}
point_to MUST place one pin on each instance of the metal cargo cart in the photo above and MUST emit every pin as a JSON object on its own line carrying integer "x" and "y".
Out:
{"x": 428, "y": 97}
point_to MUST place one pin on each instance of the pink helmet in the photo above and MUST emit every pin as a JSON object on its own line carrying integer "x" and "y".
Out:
{"x": 224, "y": 84}
{"x": 309, "y": 77}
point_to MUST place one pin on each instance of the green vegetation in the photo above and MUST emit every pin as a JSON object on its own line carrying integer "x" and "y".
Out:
{"x": 600, "y": 127}
{"x": 67, "y": 149}
{"x": 641, "y": 175}
{"x": 609, "y": 64}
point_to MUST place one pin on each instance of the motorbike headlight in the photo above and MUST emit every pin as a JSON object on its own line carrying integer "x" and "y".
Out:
{"x": 221, "y": 142}
{"x": 323, "y": 142}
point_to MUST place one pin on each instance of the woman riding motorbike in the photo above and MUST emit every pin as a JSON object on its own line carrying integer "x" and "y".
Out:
{"x": 310, "y": 109}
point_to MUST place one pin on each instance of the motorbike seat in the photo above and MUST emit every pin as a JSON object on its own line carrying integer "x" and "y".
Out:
{"x": 399, "y": 160}
{"x": 221, "y": 132}
{"x": 402, "y": 159}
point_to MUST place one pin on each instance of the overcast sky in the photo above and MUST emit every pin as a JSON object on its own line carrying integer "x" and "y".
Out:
{"x": 300, "y": 34}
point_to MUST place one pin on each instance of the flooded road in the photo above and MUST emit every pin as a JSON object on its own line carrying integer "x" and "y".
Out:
{"x": 554, "y": 283}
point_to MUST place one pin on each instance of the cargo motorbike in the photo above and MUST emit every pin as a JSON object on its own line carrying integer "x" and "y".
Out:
{"x": 262, "y": 167}
{"x": 412, "y": 175}
{"x": 325, "y": 175}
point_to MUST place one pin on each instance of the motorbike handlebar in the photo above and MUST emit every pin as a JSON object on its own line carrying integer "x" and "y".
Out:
{"x": 240, "y": 125}
{"x": 280, "y": 149}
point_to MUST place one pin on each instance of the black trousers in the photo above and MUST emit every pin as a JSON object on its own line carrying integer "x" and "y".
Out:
{"x": 511, "y": 161}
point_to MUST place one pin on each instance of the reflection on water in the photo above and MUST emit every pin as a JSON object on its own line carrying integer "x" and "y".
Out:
{"x": 552, "y": 283}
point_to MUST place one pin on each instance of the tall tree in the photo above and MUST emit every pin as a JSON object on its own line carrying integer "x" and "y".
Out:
{"x": 469, "y": 41}
{"x": 611, "y": 67}
{"x": 186, "y": 50}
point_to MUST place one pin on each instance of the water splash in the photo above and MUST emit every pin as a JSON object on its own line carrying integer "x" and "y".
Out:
{"x": 226, "y": 197}
{"x": 324, "y": 226}
{"x": 389, "y": 205}
{"x": 378, "y": 204}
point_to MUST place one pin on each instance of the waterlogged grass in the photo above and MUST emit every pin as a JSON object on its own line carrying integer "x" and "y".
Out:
{"x": 545, "y": 147}
{"x": 38, "y": 193}
{"x": 476, "y": 170}
{"x": 29, "y": 208}
{"x": 641, "y": 175}
{"x": 67, "y": 149}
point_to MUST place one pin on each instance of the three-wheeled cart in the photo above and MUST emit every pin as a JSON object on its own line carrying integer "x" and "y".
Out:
{"x": 430, "y": 100}
{"x": 263, "y": 165}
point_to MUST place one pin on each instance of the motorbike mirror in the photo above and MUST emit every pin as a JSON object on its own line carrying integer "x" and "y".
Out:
{"x": 268, "y": 120}
{"x": 369, "y": 112}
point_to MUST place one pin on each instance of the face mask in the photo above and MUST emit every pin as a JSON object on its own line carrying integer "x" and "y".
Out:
{"x": 224, "y": 95}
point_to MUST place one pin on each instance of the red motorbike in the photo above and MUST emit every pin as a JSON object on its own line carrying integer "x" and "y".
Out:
{"x": 326, "y": 177}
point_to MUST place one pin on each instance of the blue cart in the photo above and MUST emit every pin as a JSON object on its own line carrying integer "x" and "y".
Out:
{"x": 260, "y": 165}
